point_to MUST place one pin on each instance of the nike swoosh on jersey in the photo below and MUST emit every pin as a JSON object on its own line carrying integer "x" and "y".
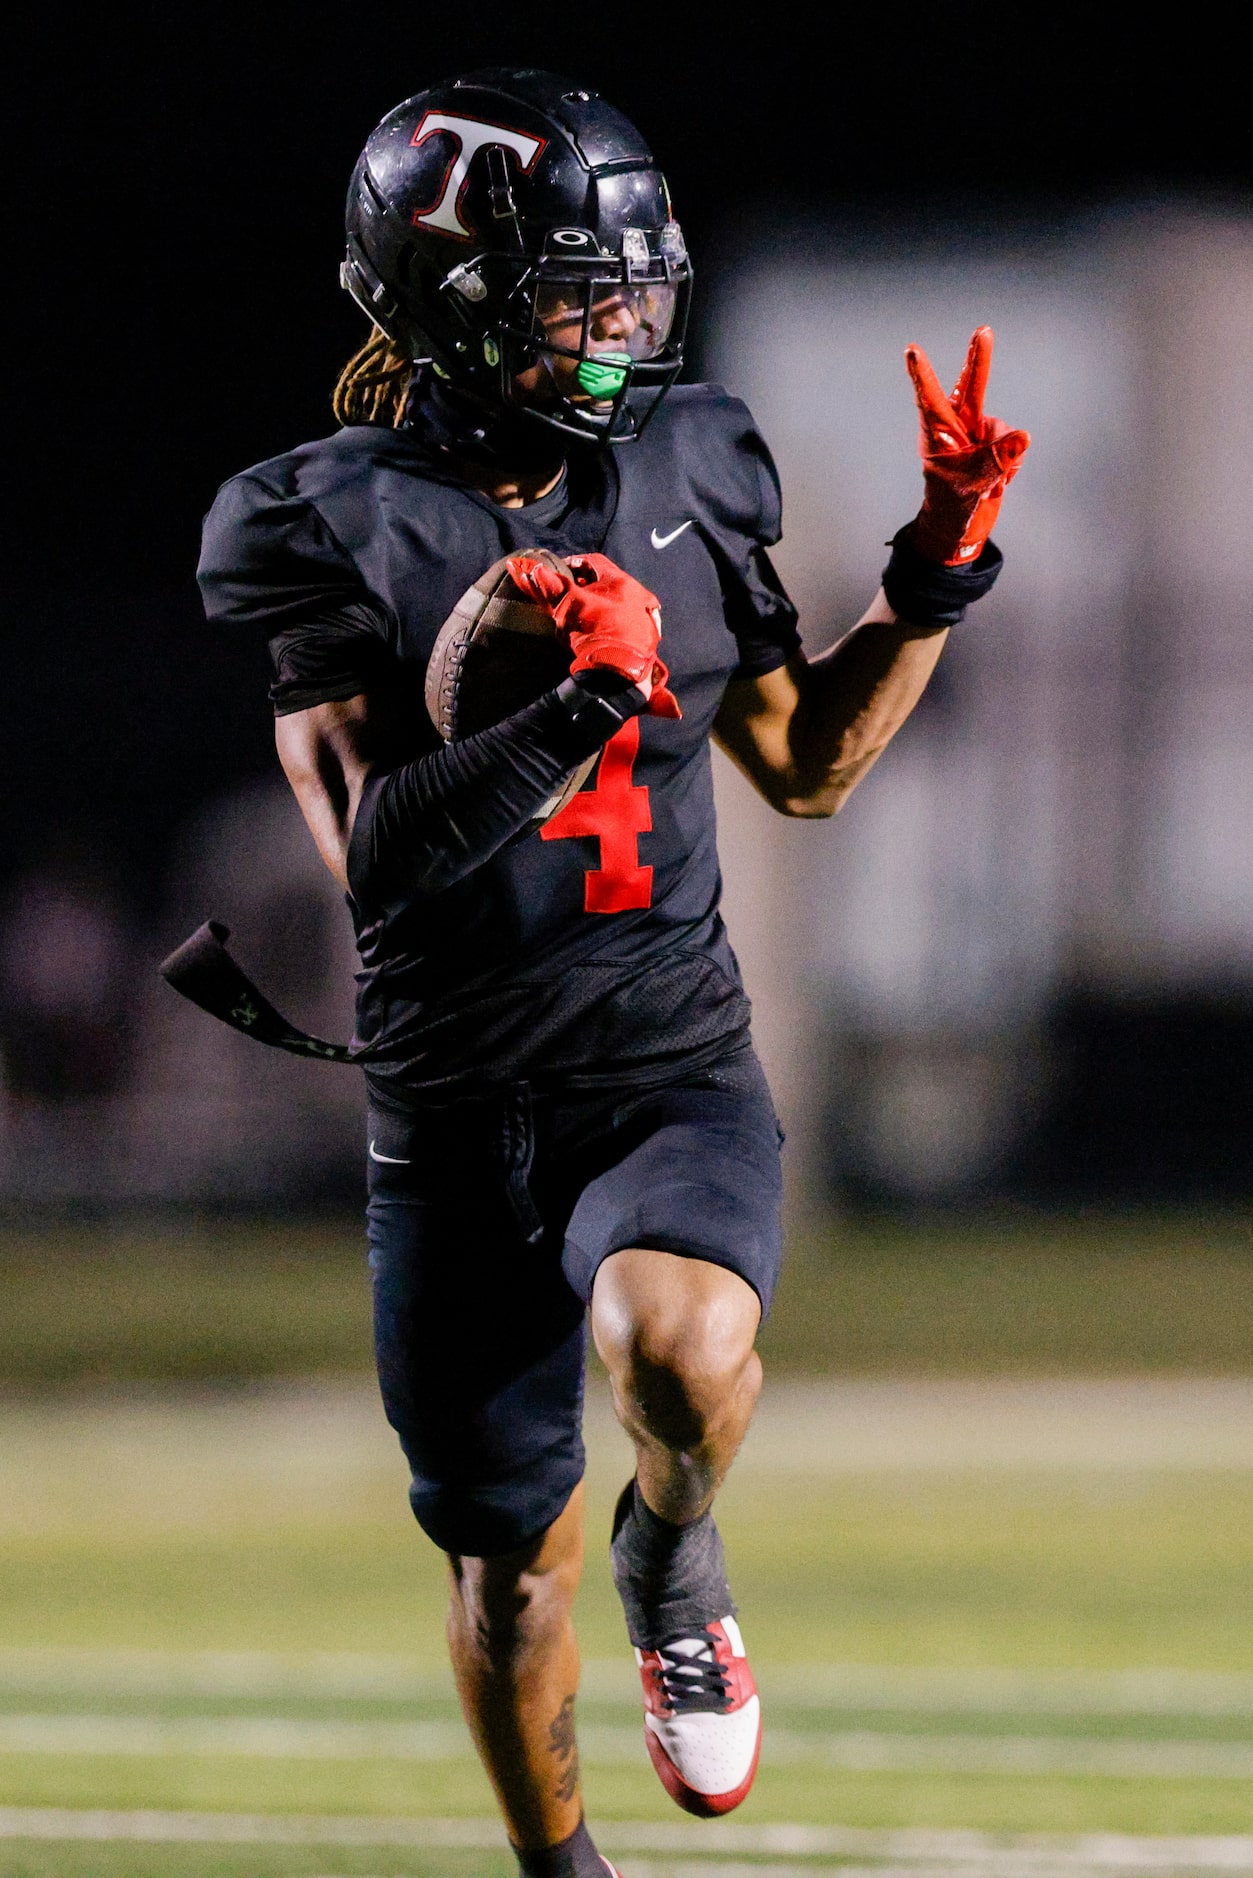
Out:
{"x": 663, "y": 541}
{"x": 393, "y": 1160}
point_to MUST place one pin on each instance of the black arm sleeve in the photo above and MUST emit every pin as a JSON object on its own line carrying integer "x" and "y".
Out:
{"x": 427, "y": 825}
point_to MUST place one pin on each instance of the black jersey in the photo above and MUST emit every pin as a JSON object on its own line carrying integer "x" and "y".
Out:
{"x": 592, "y": 950}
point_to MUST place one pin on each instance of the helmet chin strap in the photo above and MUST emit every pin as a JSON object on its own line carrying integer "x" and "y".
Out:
{"x": 457, "y": 422}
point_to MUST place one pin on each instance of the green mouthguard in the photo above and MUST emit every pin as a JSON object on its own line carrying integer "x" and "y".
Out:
{"x": 605, "y": 376}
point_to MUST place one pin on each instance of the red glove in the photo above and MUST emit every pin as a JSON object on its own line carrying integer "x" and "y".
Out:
{"x": 969, "y": 460}
{"x": 612, "y": 621}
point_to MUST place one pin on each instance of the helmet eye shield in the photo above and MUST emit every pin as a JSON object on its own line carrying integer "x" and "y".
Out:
{"x": 597, "y": 332}
{"x": 582, "y": 319}
{"x": 581, "y": 326}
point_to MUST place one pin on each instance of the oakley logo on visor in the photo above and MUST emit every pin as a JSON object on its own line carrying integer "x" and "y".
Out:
{"x": 472, "y": 135}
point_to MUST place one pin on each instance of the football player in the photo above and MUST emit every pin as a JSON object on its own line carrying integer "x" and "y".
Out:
{"x": 566, "y": 1114}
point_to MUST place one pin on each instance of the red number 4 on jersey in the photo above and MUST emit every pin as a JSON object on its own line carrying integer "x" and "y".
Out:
{"x": 617, "y": 812}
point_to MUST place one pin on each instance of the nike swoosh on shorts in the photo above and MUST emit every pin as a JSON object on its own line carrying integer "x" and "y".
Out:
{"x": 663, "y": 541}
{"x": 393, "y": 1160}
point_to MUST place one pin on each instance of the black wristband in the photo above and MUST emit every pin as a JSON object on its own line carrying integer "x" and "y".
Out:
{"x": 926, "y": 593}
{"x": 596, "y": 704}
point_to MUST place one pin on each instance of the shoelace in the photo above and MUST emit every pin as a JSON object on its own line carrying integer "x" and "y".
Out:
{"x": 692, "y": 1683}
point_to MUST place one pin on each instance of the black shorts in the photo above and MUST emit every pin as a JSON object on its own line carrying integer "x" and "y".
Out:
{"x": 489, "y": 1218}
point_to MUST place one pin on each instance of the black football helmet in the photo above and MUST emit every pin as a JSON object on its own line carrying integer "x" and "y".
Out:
{"x": 515, "y": 230}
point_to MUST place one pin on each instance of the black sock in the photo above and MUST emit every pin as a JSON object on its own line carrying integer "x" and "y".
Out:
{"x": 575, "y": 1857}
{"x": 672, "y": 1579}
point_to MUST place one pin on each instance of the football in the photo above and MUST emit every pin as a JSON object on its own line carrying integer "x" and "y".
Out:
{"x": 495, "y": 653}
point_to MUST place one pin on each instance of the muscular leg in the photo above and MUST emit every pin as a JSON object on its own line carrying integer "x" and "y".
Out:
{"x": 514, "y": 1654}
{"x": 676, "y": 1335}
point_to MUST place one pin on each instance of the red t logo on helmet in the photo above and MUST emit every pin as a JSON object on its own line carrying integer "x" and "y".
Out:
{"x": 472, "y": 135}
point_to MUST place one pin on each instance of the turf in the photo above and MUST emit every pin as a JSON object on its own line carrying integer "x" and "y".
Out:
{"x": 1048, "y": 1295}
{"x": 162, "y": 1496}
{"x": 65, "y": 1859}
{"x": 186, "y": 1522}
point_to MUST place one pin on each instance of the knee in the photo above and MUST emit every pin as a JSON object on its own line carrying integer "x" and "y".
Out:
{"x": 680, "y": 1373}
{"x": 683, "y": 1388}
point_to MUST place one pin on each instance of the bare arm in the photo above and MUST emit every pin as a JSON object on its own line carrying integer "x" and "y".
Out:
{"x": 806, "y": 734}
{"x": 326, "y": 753}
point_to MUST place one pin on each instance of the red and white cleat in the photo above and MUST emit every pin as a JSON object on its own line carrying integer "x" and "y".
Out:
{"x": 702, "y": 1718}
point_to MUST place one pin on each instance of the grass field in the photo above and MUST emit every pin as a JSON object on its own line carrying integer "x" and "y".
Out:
{"x": 222, "y": 1608}
{"x": 1027, "y": 1294}
{"x": 1002, "y": 1621}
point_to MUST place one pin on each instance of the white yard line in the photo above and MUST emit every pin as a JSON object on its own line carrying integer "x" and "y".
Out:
{"x": 269, "y": 1674}
{"x": 267, "y": 1737}
{"x": 861, "y": 1751}
{"x": 913, "y": 1852}
{"x": 249, "y": 1737}
{"x": 1003, "y": 1691}
{"x": 992, "y": 1855}
{"x": 1003, "y": 1867}
{"x": 274, "y": 1675}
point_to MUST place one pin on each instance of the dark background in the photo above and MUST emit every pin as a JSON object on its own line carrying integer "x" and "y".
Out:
{"x": 181, "y": 175}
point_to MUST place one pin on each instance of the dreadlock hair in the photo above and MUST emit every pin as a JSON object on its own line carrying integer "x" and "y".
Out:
{"x": 373, "y": 384}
